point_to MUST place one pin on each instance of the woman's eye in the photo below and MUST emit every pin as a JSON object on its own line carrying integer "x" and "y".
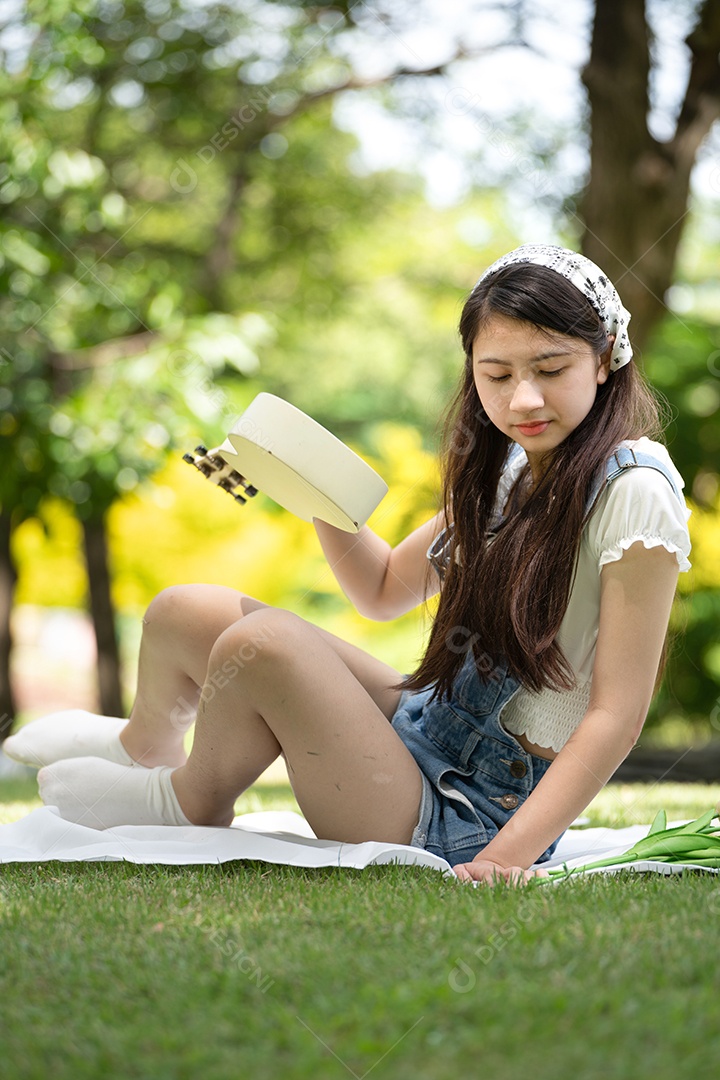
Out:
{"x": 551, "y": 374}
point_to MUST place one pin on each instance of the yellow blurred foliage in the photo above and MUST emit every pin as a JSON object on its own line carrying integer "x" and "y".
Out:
{"x": 179, "y": 528}
{"x": 704, "y": 527}
{"x": 51, "y": 569}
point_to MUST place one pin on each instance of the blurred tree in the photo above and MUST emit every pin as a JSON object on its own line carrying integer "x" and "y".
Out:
{"x": 90, "y": 440}
{"x": 627, "y": 202}
{"x": 680, "y": 364}
{"x": 158, "y": 158}
{"x": 118, "y": 238}
{"x": 635, "y": 205}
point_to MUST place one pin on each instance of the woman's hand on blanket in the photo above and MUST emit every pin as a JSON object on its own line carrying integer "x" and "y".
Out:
{"x": 489, "y": 872}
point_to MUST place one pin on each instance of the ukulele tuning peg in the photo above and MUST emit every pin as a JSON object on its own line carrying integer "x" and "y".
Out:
{"x": 219, "y": 472}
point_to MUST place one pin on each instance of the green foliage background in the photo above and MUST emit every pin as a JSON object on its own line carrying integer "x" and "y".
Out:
{"x": 181, "y": 227}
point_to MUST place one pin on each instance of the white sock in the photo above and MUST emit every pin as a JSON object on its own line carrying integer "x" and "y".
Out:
{"x": 100, "y": 794}
{"x": 73, "y": 733}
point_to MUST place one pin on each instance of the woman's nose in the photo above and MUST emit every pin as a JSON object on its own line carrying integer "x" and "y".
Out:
{"x": 526, "y": 397}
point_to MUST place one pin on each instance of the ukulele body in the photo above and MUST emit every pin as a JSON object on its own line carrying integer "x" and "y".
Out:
{"x": 279, "y": 450}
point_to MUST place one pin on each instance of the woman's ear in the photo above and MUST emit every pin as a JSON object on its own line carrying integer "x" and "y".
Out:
{"x": 603, "y": 370}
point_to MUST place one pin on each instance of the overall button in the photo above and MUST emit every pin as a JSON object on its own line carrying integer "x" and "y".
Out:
{"x": 509, "y": 802}
{"x": 518, "y": 768}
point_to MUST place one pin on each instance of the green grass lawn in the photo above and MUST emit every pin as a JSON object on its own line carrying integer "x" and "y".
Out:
{"x": 249, "y": 970}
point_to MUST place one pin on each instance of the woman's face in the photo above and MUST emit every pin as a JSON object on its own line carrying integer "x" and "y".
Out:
{"x": 535, "y": 385}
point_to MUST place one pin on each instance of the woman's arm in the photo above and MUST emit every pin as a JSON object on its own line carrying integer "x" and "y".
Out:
{"x": 635, "y": 600}
{"x": 380, "y": 581}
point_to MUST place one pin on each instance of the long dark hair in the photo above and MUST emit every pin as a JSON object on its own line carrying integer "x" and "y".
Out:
{"x": 506, "y": 599}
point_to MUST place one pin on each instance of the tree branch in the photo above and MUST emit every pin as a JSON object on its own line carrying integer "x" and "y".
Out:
{"x": 701, "y": 105}
{"x": 355, "y": 83}
{"x": 218, "y": 261}
{"x": 107, "y": 352}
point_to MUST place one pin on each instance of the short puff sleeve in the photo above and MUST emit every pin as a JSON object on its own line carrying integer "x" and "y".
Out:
{"x": 640, "y": 505}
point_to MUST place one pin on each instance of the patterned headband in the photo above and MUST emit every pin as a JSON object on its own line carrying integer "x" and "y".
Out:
{"x": 589, "y": 279}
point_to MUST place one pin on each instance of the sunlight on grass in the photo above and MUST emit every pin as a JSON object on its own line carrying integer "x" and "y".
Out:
{"x": 360, "y": 958}
{"x": 19, "y": 797}
{"x": 616, "y": 806}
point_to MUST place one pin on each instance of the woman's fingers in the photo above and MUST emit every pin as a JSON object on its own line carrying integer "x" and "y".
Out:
{"x": 488, "y": 872}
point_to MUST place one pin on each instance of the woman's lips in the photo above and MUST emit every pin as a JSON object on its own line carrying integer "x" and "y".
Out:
{"x": 536, "y": 427}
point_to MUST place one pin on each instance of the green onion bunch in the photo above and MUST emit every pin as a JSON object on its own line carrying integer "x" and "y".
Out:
{"x": 697, "y": 842}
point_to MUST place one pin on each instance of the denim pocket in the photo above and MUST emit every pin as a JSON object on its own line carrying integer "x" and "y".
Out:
{"x": 454, "y": 735}
{"x": 458, "y": 833}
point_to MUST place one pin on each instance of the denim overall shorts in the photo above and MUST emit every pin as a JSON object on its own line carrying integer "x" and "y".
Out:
{"x": 475, "y": 773}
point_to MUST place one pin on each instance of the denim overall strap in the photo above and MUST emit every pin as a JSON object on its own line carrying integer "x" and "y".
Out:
{"x": 439, "y": 551}
{"x": 515, "y": 451}
{"x": 620, "y": 461}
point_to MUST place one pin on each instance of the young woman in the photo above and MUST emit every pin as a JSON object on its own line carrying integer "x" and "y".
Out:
{"x": 556, "y": 557}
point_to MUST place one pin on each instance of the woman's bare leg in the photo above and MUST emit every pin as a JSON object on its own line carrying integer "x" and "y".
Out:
{"x": 180, "y": 630}
{"x": 283, "y": 688}
{"x": 353, "y": 777}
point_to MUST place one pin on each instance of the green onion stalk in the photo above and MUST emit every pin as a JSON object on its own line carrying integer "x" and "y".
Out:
{"x": 697, "y": 842}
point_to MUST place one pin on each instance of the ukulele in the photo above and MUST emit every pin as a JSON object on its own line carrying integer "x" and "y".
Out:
{"x": 276, "y": 448}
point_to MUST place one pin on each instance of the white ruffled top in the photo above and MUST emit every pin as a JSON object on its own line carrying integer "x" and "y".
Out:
{"x": 639, "y": 505}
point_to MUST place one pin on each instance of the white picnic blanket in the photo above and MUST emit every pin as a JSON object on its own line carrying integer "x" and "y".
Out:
{"x": 271, "y": 836}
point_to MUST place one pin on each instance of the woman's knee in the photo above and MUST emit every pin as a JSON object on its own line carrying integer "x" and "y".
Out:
{"x": 261, "y": 636}
{"x": 175, "y": 602}
{"x": 203, "y": 607}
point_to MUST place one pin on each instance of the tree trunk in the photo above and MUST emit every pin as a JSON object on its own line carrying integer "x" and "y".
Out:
{"x": 8, "y": 577}
{"x": 636, "y": 202}
{"x": 220, "y": 259}
{"x": 103, "y": 616}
